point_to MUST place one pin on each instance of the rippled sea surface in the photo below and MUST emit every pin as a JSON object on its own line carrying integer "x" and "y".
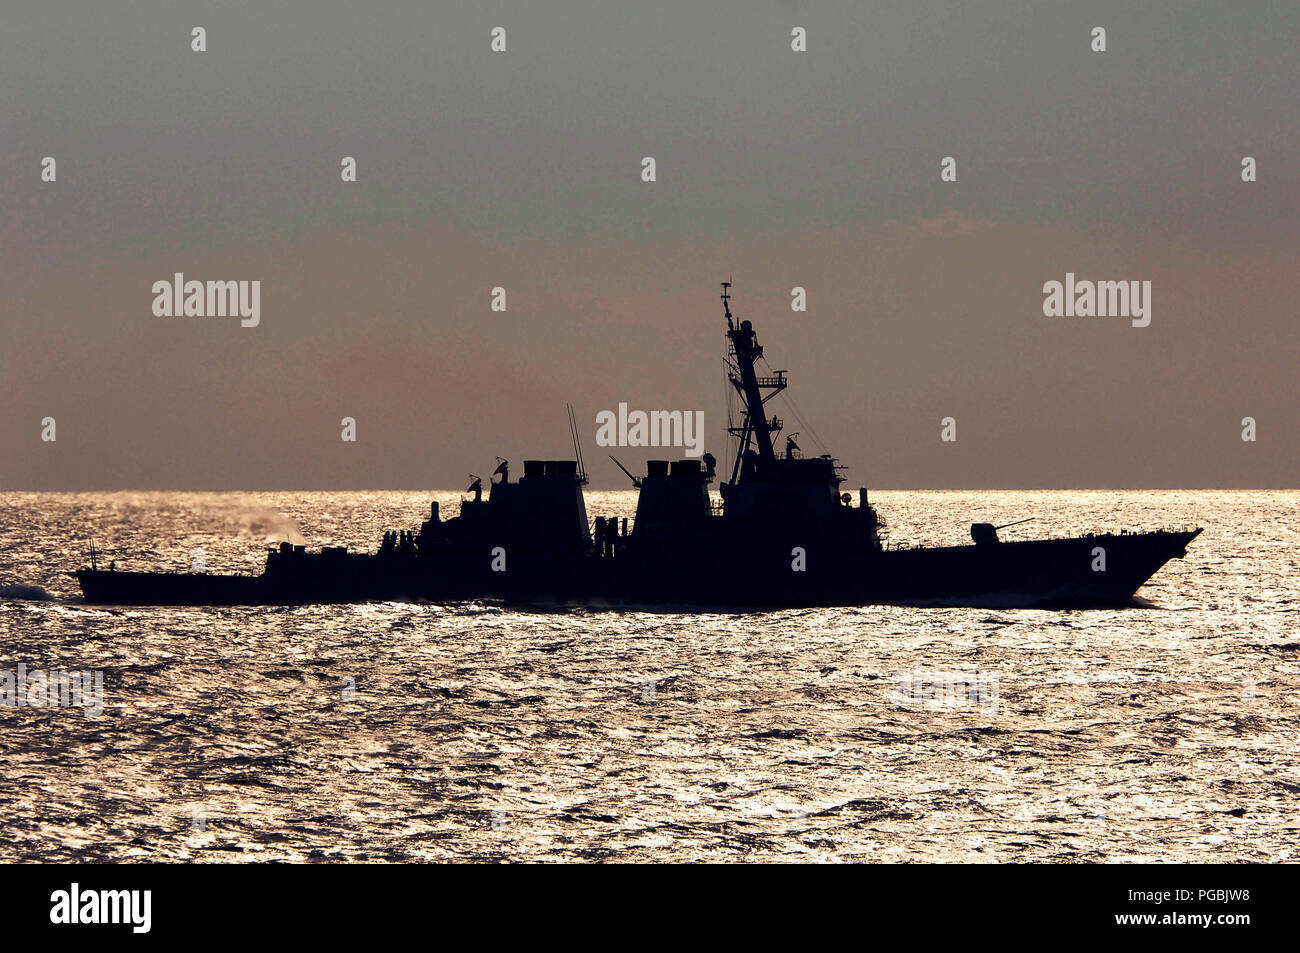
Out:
{"x": 401, "y": 731}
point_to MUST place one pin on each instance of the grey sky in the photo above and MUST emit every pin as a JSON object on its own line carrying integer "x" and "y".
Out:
{"x": 521, "y": 169}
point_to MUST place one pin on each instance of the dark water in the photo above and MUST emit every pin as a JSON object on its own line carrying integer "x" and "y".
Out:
{"x": 412, "y": 731}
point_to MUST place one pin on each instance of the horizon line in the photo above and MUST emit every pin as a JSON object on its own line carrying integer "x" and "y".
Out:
{"x": 879, "y": 489}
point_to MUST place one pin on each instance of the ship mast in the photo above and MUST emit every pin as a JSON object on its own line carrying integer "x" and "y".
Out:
{"x": 744, "y": 350}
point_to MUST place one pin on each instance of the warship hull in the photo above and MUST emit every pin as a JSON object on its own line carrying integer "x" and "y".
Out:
{"x": 1057, "y": 573}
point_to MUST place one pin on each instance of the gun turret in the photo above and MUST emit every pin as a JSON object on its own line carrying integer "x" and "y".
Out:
{"x": 986, "y": 533}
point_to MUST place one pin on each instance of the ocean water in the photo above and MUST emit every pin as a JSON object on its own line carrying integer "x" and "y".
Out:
{"x": 403, "y": 732}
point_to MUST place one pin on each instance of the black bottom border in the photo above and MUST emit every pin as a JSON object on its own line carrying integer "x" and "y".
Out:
{"x": 374, "y": 902}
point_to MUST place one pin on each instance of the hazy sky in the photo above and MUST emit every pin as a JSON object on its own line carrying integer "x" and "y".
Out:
{"x": 522, "y": 170}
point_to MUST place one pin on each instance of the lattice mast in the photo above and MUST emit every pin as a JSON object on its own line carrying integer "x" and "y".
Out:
{"x": 742, "y": 352}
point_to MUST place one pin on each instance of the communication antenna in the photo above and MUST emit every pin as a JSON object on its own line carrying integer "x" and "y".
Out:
{"x": 636, "y": 482}
{"x": 577, "y": 446}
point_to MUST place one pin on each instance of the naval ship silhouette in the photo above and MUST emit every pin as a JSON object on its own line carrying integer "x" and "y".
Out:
{"x": 784, "y": 536}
